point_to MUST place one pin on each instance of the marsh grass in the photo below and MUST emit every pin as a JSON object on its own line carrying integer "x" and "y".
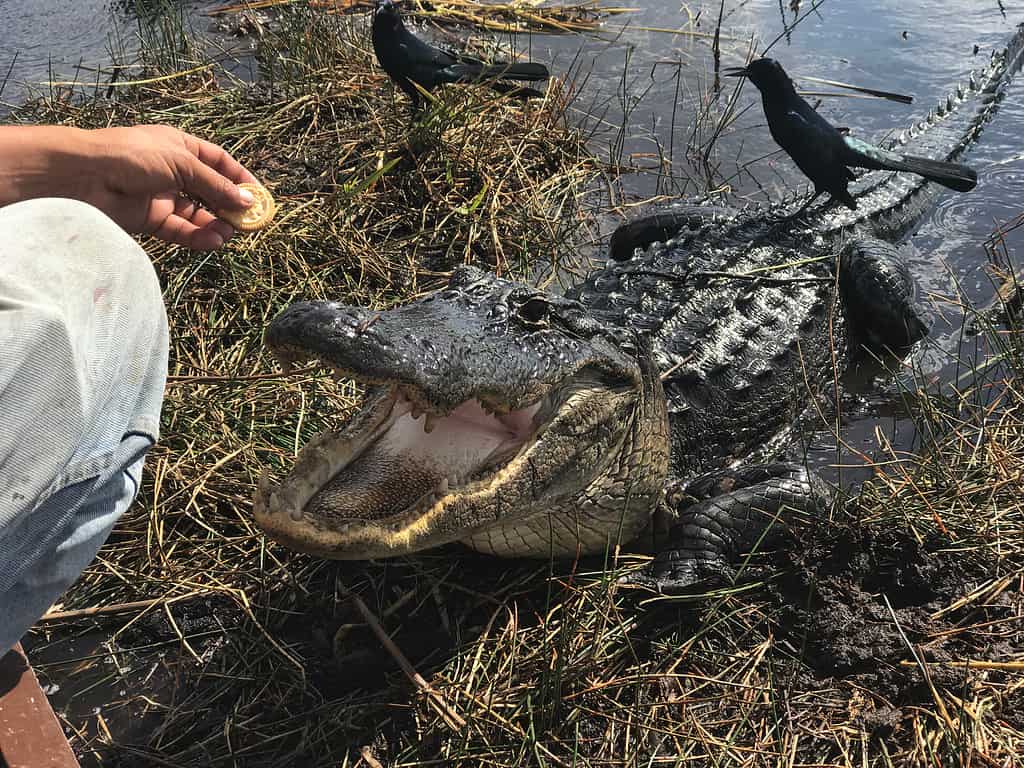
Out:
{"x": 215, "y": 647}
{"x": 510, "y": 17}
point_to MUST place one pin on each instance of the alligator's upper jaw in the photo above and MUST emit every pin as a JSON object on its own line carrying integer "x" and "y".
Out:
{"x": 467, "y": 422}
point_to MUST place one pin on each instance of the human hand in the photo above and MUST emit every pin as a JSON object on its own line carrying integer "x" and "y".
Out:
{"x": 139, "y": 174}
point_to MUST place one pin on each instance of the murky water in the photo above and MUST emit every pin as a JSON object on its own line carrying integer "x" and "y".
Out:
{"x": 646, "y": 90}
{"x": 41, "y": 41}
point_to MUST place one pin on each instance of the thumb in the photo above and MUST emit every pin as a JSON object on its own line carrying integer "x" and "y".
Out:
{"x": 217, "y": 191}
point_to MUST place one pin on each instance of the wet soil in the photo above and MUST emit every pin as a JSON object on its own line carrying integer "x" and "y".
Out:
{"x": 847, "y": 607}
{"x": 863, "y": 605}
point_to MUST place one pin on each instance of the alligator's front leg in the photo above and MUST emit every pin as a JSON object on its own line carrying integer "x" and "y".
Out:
{"x": 727, "y": 514}
{"x": 880, "y": 295}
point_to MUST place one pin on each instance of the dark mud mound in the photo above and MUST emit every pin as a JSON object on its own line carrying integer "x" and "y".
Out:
{"x": 868, "y": 605}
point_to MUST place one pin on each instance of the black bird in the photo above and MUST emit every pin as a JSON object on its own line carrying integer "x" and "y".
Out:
{"x": 409, "y": 60}
{"x": 824, "y": 153}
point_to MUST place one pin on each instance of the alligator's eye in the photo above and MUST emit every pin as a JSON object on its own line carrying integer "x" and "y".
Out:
{"x": 534, "y": 311}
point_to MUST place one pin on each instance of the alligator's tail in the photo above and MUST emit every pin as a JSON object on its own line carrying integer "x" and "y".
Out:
{"x": 940, "y": 138}
{"x": 953, "y": 175}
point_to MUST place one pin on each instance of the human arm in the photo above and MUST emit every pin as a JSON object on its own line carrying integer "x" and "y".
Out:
{"x": 136, "y": 175}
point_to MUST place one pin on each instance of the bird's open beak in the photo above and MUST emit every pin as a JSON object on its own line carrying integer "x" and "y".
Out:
{"x": 735, "y": 72}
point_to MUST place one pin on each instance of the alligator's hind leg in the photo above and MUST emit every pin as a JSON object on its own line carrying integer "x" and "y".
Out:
{"x": 879, "y": 295}
{"x": 726, "y": 514}
{"x": 662, "y": 226}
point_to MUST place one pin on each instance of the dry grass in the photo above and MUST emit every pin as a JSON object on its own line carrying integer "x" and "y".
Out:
{"x": 516, "y": 16}
{"x": 242, "y": 653}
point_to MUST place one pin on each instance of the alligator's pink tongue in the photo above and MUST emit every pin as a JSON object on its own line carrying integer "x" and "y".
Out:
{"x": 408, "y": 465}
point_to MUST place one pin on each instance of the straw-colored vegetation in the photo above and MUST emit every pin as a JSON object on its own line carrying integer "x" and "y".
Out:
{"x": 892, "y": 637}
{"x": 515, "y": 16}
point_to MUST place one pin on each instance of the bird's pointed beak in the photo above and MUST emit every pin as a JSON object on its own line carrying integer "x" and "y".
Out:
{"x": 735, "y": 72}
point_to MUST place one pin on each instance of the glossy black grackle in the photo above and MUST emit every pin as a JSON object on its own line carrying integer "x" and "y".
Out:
{"x": 410, "y": 61}
{"x": 826, "y": 154}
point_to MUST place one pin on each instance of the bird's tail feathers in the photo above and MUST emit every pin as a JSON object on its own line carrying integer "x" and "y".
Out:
{"x": 953, "y": 175}
{"x": 514, "y": 71}
{"x": 956, "y": 176}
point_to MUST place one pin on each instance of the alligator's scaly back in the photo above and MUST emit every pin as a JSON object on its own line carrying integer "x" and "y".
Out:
{"x": 739, "y": 310}
{"x": 891, "y": 203}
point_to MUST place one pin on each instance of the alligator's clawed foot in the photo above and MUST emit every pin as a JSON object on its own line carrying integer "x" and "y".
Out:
{"x": 723, "y": 518}
{"x": 674, "y": 572}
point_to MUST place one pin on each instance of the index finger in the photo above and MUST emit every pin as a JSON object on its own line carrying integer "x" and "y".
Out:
{"x": 220, "y": 160}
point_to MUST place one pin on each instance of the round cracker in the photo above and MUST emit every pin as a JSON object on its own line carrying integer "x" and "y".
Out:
{"x": 257, "y": 215}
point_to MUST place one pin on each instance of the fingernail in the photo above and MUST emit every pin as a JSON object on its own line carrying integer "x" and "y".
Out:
{"x": 246, "y": 196}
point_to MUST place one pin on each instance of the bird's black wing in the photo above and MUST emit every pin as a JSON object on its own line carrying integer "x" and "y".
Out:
{"x": 814, "y": 145}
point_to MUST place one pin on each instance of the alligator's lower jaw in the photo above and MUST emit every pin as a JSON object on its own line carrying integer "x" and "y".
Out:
{"x": 374, "y": 488}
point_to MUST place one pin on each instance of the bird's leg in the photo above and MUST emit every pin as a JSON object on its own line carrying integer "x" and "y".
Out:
{"x": 414, "y": 107}
{"x": 805, "y": 206}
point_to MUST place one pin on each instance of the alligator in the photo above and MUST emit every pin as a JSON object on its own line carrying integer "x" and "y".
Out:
{"x": 524, "y": 423}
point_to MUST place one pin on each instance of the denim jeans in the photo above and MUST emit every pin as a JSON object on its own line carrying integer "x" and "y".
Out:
{"x": 83, "y": 360}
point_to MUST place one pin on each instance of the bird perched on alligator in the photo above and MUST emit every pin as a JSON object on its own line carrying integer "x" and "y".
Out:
{"x": 525, "y": 423}
{"x": 410, "y": 62}
{"x": 824, "y": 153}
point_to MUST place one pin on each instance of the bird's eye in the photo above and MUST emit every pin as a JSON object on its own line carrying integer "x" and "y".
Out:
{"x": 534, "y": 311}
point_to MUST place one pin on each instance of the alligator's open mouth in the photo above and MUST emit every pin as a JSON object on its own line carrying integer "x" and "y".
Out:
{"x": 491, "y": 409}
{"x": 397, "y": 476}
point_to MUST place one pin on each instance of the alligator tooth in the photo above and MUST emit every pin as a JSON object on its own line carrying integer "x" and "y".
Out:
{"x": 427, "y": 500}
{"x": 442, "y": 487}
{"x": 416, "y": 413}
{"x": 430, "y": 422}
{"x": 295, "y": 513}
